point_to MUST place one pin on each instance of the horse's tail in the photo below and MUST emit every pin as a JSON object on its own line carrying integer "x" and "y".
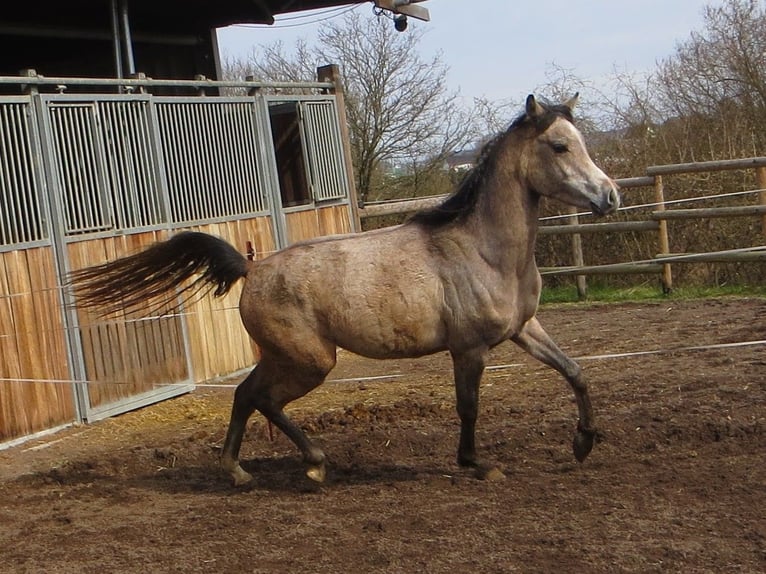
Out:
{"x": 158, "y": 275}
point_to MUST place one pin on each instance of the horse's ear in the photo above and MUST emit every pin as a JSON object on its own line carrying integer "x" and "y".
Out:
{"x": 572, "y": 102}
{"x": 534, "y": 109}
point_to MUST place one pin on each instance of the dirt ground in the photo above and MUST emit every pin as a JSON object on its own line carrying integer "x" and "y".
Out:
{"x": 676, "y": 483}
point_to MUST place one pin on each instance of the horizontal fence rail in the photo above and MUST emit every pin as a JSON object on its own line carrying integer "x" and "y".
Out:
{"x": 139, "y": 81}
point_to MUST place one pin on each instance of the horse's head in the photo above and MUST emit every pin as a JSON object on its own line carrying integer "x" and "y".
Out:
{"x": 557, "y": 162}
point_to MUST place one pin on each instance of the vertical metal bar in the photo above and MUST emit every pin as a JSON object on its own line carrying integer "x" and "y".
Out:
{"x": 272, "y": 195}
{"x": 116, "y": 48}
{"x": 199, "y": 169}
{"x": 190, "y": 189}
{"x": 229, "y": 119}
{"x": 124, "y": 127}
{"x": 99, "y": 162}
{"x": 130, "y": 166}
{"x": 189, "y": 192}
{"x": 154, "y": 141}
{"x": 168, "y": 143}
{"x": 23, "y": 208}
{"x": 248, "y": 157}
{"x": 61, "y": 143}
{"x": 176, "y": 147}
{"x": 87, "y": 153}
{"x": 7, "y": 227}
{"x": 149, "y": 191}
{"x": 145, "y": 185}
{"x": 110, "y": 129}
{"x": 140, "y": 163}
{"x": 228, "y": 114}
{"x": 127, "y": 39}
{"x": 211, "y": 152}
{"x": 73, "y": 342}
{"x": 35, "y": 185}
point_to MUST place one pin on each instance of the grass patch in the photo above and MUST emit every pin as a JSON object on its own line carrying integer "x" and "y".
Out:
{"x": 607, "y": 294}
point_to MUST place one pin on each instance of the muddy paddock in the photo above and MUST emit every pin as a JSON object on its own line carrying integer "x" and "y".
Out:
{"x": 676, "y": 482}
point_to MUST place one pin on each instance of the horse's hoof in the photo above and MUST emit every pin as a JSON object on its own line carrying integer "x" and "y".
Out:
{"x": 489, "y": 473}
{"x": 241, "y": 477}
{"x": 317, "y": 473}
{"x": 583, "y": 444}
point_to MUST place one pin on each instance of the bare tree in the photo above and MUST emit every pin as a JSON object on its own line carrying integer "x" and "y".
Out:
{"x": 717, "y": 79}
{"x": 273, "y": 63}
{"x": 398, "y": 106}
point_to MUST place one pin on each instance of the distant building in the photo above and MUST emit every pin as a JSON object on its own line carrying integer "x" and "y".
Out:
{"x": 461, "y": 161}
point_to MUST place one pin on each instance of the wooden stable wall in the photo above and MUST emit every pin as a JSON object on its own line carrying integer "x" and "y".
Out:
{"x": 32, "y": 346}
{"x": 127, "y": 353}
{"x": 302, "y": 225}
{"x": 218, "y": 342}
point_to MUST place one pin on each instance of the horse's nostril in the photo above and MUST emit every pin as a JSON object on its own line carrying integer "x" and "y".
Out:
{"x": 614, "y": 199}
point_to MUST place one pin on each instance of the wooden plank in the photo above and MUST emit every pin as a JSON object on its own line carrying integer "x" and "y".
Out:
{"x": 13, "y": 420}
{"x": 618, "y": 226}
{"x": 695, "y": 167}
{"x": 334, "y": 220}
{"x": 630, "y": 182}
{"x": 709, "y": 212}
{"x": 719, "y": 257}
{"x": 24, "y": 326}
{"x": 404, "y": 206}
{"x": 302, "y": 225}
{"x": 32, "y": 348}
{"x": 48, "y": 335}
{"x": 611, "y": 268}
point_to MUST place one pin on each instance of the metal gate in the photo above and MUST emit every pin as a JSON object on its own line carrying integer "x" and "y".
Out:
{"x": 92, "y": 177}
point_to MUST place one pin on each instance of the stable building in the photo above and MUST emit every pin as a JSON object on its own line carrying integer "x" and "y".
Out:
{"x": 119, "y": 133}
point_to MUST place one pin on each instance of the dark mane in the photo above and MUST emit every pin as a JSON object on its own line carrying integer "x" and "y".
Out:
{"x": 462, "y": 201}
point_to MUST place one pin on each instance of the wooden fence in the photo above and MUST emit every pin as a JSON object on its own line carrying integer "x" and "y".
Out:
{"x": 657, "y": 222}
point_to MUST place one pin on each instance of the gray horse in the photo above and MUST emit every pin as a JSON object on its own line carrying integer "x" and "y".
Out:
{"x": 460, "y": 277}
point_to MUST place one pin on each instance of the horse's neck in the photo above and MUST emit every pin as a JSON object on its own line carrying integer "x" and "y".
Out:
{"x": 505, "y": 225}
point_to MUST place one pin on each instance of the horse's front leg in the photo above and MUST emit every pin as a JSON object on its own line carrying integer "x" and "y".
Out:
{"x": 535, "y": 341}
{"x": 469, "y": 368}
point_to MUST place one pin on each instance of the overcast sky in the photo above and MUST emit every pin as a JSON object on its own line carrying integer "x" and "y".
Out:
{"x": 501, "y": 49}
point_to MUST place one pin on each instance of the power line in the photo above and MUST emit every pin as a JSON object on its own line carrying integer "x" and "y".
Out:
{"x": 327, "y": 15}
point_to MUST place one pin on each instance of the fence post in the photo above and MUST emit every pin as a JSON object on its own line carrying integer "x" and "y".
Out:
{"x": 659, "y": 198}
{"x": 760, "y": 178}
{"x": 577, "y": 257}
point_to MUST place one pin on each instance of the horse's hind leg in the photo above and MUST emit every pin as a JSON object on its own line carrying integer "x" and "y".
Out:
{"x": 243, "y": 407}
{"x": 268, "y": 388}
{"x": 534, "y": 340}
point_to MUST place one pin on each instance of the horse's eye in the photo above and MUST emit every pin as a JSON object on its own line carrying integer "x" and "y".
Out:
{"x": 560, "y": 147}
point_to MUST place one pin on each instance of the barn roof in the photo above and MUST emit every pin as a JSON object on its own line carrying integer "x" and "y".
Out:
{"x": 180, "y": 15}
{"x": 113, "y": 38}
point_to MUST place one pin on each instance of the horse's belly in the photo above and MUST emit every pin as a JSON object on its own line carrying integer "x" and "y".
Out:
{"x": 381, "y": 338}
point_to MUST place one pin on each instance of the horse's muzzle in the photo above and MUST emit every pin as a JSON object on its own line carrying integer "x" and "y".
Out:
{"x": 608, "y": 203}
